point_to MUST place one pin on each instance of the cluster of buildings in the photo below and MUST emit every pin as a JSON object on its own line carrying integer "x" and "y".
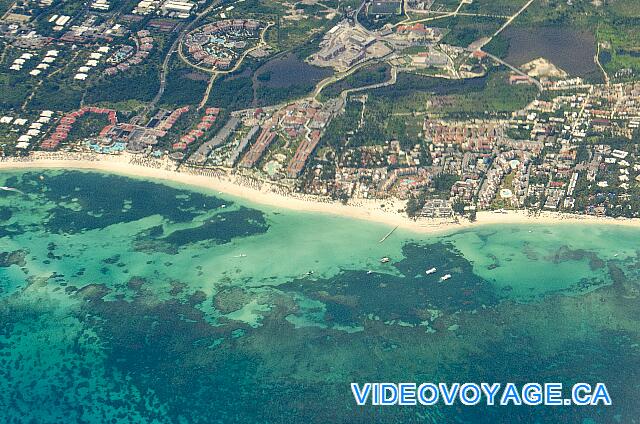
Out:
{"x": 480, "y": 136}
{"x": 21, "y": 61}
{"x": 418, "y": 32}
{"x": 195, "y": 134}
{"x": 345, "y": 45}
{"x": 374, "y": 171}
{"x": 256, "y": 151}
{"x": 512, "y": 192}
{"x": 217, "y": 45}
{"x": 93, "y": 30}
{"x": 169, "y": 121}
{"x": 201, "y": 155}
{"x": 180, "y": 9}
{"x": 123, "y": 59}
{"x": 34, "y": 130}
{"x": 59, "y": 21}
{"x": 437, "y": 208}
{"x": 65, "y": 125}
{"x": 300, "y": 123}
{"x": 543, "y": 170}
{"x": 94, "y": 59}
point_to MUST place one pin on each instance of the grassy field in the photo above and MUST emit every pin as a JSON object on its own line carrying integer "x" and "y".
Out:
{"x": 622, "y": 50}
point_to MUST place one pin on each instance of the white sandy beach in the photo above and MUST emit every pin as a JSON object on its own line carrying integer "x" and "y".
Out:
{"x": 381, "y": 211}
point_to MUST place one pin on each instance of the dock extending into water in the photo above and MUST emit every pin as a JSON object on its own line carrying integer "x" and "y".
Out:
{"x": 388, "y": 234}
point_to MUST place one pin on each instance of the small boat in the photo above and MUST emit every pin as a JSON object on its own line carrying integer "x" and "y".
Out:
{"x": 384, "y": 260}
{"x": 430, "y": 271}
{"x": 15, "y": 190}
{"x": 369, "y": 272}
{"x": 242, "y": 255}
{"x": 445, "y": 277}
{"x": 223, "y": 206}
{"x": 615, "y": 256}
{"x": 309, "y": 273}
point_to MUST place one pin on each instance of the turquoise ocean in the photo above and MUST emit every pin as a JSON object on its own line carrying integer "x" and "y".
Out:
{"x": 129, "y": 301}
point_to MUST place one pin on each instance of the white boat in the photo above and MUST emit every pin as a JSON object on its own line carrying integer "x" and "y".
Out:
{"x": 430, "y": 271}
{"x": 369, "y": 272}
{"x": 384, "y": 260}
{"x": 223, "y": 206}
{"x": 445, "y": 277}
{"x": 15, "y": 190}
{"x": 242, "y": 255}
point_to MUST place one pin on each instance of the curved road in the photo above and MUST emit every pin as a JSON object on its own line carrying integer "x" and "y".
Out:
{"x": 165, "y": 64}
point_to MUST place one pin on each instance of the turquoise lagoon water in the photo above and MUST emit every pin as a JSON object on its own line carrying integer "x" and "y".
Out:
{"x": 124, "y": 300}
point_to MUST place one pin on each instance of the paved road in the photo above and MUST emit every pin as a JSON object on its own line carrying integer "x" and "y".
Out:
{"x": 165, "y": 64}
{"x": 392, "y": 80}
{"x": 516, "y": 70}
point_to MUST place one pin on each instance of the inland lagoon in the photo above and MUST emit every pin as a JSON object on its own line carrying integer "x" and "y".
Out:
{"x": 123, "y": 300}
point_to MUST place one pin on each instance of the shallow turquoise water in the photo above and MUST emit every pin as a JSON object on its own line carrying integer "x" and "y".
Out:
{"x": 123, "y": 300}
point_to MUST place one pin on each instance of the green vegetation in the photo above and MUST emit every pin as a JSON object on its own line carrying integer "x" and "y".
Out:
{"x": 5, "y": 5}
{"x": 140, "y": 82}
{"x": 415, "y": 204}
{"x": 442, "y": 183}
{"x": 185, "y": 84}
{"x": 287, "y": 34}
{"x": 13, "y": 91}
{"x": 471, "y": 97}
{"x": 613, "y": 22}
{"x": 518, "y": 133}
{"x": 343, "y": 126}
{"x": 14, "y": 88}
{"x": 409, "y": 86}
{"x": 464, "y": 30}
{"x": 622, "y": 44}
{"x": 497, "y": 97}
{"x": 363, "y": 77}
{"x": 494, "y": 7}
{"x": 57, "y": 95}
{"x": 445, "y": 5}
{"x": 123, "y": 87}
{"x": 87, "y": 126}
{"x": 232, "y": 92}
{"x": 499, "y": 46}
{"x": 380, "y": 125}
{"x": 266, "y": 95}
{"x": 558, "y": 13}
{"x": 373, "y": 21}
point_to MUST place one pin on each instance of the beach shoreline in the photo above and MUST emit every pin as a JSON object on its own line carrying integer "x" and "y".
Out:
{"x": 380, "y": 211}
